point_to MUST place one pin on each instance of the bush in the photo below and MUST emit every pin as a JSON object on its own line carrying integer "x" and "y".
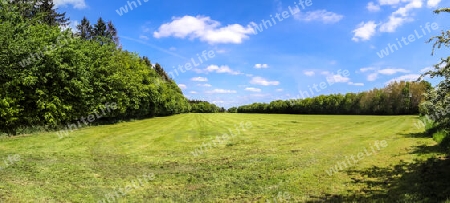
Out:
{"x": 442, "y": 138}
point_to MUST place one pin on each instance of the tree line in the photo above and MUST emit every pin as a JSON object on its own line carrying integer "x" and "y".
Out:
{"x": 198, "y": 106}
{"x": 397, "y": 98}
{"x": 51, "y": 76}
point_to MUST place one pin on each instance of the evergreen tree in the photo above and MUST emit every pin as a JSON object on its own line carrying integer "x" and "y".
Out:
{"x": 50, "y": 15}
{"x": 85, "y": 29}
{"x": 112, "y": 33}
{"x": 100, "y": 29}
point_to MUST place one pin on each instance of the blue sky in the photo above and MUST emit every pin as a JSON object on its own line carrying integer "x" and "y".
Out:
{"x": 260, "y": 51}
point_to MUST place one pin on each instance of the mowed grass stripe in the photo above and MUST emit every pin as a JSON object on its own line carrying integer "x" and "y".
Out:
{"x": 280, "y": 153}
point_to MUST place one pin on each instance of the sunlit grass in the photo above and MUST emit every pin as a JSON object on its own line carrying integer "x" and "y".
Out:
{"x": 282, "y": 157}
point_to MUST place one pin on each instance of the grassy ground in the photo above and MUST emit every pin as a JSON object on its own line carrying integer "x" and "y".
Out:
{"x": 278, "y": 158}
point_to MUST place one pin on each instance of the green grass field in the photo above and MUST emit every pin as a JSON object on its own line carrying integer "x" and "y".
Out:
{"x": 278, "y": 158}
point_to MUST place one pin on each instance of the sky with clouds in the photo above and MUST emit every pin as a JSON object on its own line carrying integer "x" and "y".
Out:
{"x": 238, "y": 52}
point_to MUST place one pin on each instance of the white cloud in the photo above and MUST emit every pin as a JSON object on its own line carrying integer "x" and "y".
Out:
{"x": 221, "y": 69}
{"x": 204, "y": 85}
{"x": 222, "y": 91}
{"x": 182, "y": 86}
{"x": 319, "y": 15}
{"x": 391, "y": 71}
{"x": 143, "y": 37}
{"x": 363, "y": 70}
{"x": 76, "y": 3}
{"x": 262, "y": 81}
{"x": 372, "y": 77}
{"x": 338, "y": 78}
{"x": 205, "y": 29}
{"x": 260, "y": 95}
{"x": 387, "y": 71}
{"x": 279, "y": 90}
{"x": 72, "y": 25}
{"x": 389, "y": 2}
{"x": 199, "y": 79}
{"x": 309, "y": 73}
{"x": 355, "y": 84}
{"x": 372, "y": 7}
{"x": 426, "y": 69}
{"x": 433, "y": 3}
{"x": 364, "y": 31}
{"x": 393, "y": 23}
{"x": 252, "y": 89}
{"x": 400, "y": 16}
{"x": 193, "y": 92}
{"x": 259, "y": 66}
{"x": 409, "y": 77}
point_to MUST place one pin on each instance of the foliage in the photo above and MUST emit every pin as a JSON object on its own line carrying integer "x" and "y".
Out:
{"x": 52, "y": 78}
{"x": 43, "y": 11}
{"x": 204, "y": 107}
{"x": 232, "y": 110}
{"x": 441, "y": 137}
{"x": 437, "y": 105}
{"x": 398, "y": 98}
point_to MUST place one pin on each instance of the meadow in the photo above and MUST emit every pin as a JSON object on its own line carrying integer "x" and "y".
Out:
{"x": 228, "y": 158}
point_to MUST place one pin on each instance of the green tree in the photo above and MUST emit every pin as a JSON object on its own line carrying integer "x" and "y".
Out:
{"x": 437, "y": 103}
{"x": 50, "y": 15}
{"x": 84, "y": 29}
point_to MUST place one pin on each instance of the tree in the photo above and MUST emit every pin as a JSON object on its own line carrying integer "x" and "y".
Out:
{"x": 61, "y": 85}
{"x": 100, "y": 29}
{"x": 437, "y": 105}
{"x": 43, "y": 11}
{"x": 84, "y": 29}
{"x": 50, "y": 15}
{"x": 112, "y": 33}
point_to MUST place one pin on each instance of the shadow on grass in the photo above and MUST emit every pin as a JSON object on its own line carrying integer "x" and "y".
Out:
{"x": 420, "y": 181}
{"x": 415, "y": 135}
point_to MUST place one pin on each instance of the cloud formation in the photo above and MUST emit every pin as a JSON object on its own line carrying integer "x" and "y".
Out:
{"x": 364, "y": 31}
{"x": 205, "y": 29}
{"x": 263, "y": 82}
{"x": 221, "y": 91}
{"x": 323, "y": 16}
{"x": 79, "y": 4}
{"x": 199, "y": 79}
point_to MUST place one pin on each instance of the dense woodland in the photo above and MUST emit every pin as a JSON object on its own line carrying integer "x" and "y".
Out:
{"x": 51, "y": 77}
{"x": 398, "y": 98}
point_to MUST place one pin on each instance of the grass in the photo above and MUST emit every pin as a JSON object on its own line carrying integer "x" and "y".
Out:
{"x": 280, "y": 158}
